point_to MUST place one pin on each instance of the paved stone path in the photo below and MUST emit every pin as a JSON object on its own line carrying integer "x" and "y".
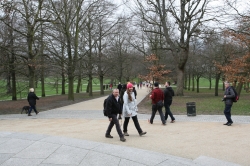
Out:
{"x": 74, "y": 136}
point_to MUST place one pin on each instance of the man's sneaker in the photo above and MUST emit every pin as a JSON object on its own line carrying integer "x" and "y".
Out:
{"x": 142, "y": 133}
{"x": 126, "y": 134}
{"x": 164, "y": 124}
{"x": 108, "y": 136}
{"x": 229, "y": 124}
{"x": 226, "y": 123}
{"x": 29, "y": 115}
{"x": 37, "y": 112}
{"x": 122, "y": 139}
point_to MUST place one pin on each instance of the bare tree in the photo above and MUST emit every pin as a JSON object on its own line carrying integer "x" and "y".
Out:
{"x": 70, "y": 16}
{"x": 178, "y": 23}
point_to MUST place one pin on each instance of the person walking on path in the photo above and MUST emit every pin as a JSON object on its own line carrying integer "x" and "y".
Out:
{"x": 130, "y": 110}
{"x": 228, "y": 100}
{"x": 157, "y": 97}
{"x": 113, "y": 108}
{"x": 32, "y": 101}
{"x": 110, "y": 86}
{"x": 168, "y": 97}
{"x": 135, "y": 93}
{"x": 119, "y": 87}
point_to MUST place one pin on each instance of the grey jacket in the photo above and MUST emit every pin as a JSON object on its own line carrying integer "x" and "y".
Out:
{"x": 129, "y": 107}
{"x": 229, "y": 96}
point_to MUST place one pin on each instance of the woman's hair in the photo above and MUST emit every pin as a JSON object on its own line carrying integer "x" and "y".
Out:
{"x": 129, "y": 95}
{"x": 31, "y": 89}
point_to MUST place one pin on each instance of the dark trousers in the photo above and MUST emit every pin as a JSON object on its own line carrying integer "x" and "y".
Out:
{"x": 154, "y": 110}
{"x": 32, "y": 107}
{"x": 117, "y": 125}
{"x": 136, "y": 123}
{"x": 227, "y": 113}
{"x": 167, "y": 111}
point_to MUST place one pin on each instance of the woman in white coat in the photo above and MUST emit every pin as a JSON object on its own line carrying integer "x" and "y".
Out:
{"x": 130, "y": 110}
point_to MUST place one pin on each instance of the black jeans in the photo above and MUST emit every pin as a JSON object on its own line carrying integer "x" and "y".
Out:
{"x": 154, "y": 110}
{"x": 167, "y": 110}
{"x": 227, "y": 113}
{"x": 32, "y": 107}
{"x": 117, "y": 125}
{"x": 136, "y": 123}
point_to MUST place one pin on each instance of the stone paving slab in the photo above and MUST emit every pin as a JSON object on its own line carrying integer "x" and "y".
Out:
{"x": 208, "y": 161}
{"x": 67, "y": 152}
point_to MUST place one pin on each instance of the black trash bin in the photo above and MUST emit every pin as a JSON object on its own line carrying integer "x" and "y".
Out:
{"x": 191, "y": 110}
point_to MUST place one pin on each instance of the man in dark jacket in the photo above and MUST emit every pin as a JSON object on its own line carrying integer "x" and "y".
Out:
{"x": 228, "y": 99}
{"x": 119, "y": 87}
{"x": 168, "y": 97}
{"x": 32, "y": 101}
{"x": 157, "y": 96}
{"x": 113, "y": 108}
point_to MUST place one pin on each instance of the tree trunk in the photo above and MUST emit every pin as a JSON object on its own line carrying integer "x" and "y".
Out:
{"x": 63, "y": 84}
{"x": 101, "y": 84}
{"x": 43, "y": 83}
{"x": 197, "y": 84}
{"x": 79, "y": 82}
{"x": 31, "y": 62}
{"x": 180, "y": 82}
{"x": 42, "y": 77}
{"x": 31, "y": 77}
{"x": 56, "y": 85}
{"x": 193, "y": 82}
{"x": 71, "y": 87}
{"x": 90, "y": 85}
{"x": 13, "y": 77}
{"x": 239, "y": 88}
{"x": 189, "y": 81}
{"x": 217, "y": 79}
{"x": 186, "y": 80}
{"x": 87, "y": 88}
{"x": 8, "y": 85}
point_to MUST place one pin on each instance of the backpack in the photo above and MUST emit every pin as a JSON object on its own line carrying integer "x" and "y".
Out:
{"x": 104, "y": 106}
{"x": 236, "y": 96}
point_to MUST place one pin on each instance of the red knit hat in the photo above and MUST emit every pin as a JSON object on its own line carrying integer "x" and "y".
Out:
{"x": 129, "y": 85}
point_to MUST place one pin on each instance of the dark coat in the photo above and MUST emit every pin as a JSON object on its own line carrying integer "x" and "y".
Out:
{"x": 113, "y": 106}
{"x": 134, "y": 92}
{"x": 32, "y": 98}
{"x": 123, "y": 90}
{"x": 168, "y": 95}
{"x": 229, "y": 96}
{"x": 119, "y": 87}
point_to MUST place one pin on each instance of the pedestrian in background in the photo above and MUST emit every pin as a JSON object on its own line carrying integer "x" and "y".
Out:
{"x": 168, "y": 97}
{"x": 135, "y": 92}
{"x": 119, "y": 87}
{"x": 228, "y": 100}
{"x": 32, "y": 101}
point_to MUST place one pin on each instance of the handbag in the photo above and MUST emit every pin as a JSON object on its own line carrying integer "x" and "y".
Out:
{"x": 160, "y": 103}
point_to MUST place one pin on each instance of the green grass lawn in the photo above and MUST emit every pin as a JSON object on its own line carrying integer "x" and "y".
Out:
{"x": 50, "y": 88}
{"x": 206, "y": 103}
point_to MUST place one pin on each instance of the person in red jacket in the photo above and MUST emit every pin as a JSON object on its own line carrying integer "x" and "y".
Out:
{"x": 157, "y": 97}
